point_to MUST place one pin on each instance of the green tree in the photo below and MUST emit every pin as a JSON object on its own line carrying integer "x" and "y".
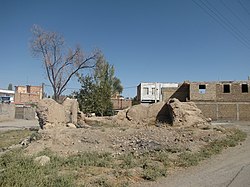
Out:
{"x": 104, "y": 72}
{"x": 10, "y": 87}
{"x": 97, "y": 89}
{"x": 87, "y": 94}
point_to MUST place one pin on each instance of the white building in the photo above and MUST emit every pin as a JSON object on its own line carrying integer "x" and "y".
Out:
{"x": 152, "y": 92}
{"x": 9, "y": 93}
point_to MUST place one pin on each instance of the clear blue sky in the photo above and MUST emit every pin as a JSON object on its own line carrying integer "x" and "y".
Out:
{"x": 146, "y": 40}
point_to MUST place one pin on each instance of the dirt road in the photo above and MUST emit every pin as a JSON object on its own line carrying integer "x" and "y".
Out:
{"x": 18, "y": 124}
{"x": 229, "y": 169}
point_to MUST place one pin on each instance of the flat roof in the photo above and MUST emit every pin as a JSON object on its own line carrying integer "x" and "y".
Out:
{"x": 7, "y": 91}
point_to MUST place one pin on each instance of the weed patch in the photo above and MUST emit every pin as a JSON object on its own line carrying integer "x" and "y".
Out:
{"x": 11, "y": 137}
{"x": 101, "y": 169}
{"x": 233, "y": 138}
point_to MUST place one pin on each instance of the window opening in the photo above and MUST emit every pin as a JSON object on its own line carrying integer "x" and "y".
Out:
{"x": 145, "y": 91}
{"x": 153, "y": 91}
{"x": 244, "y": 88}
{"x": 202, "y": 88}
{"x": 226, "y": 88}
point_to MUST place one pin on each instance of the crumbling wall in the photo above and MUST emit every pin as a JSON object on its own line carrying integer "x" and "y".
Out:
{"x": 173, "y": 112}
{"x": 52, "y": 114}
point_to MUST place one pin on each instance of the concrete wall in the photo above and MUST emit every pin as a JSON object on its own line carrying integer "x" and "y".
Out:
{"x": 225, "y": 111}
{"x": 7, "y": 112}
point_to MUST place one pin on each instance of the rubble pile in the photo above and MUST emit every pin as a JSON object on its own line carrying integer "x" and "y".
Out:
{"x": 186, "y": 114}
{"x": 173, "y": 112}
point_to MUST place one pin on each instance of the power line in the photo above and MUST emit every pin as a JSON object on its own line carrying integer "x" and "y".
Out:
{"x": 227, "y": 21}
{"x": 244, "y": 8}
{"x": 69, "y": 88}
{"x": 222, "y": 22}
{"x": 129, "y": 87}
{"x": 235, "y": 15}
{"x": 72, "y": 88}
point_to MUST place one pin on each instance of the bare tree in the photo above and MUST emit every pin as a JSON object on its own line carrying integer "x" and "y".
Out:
{"x": 60, "y": 63}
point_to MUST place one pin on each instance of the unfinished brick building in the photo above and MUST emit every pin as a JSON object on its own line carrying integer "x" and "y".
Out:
{"x": 28, "y": 94}
{"x": 222, "y": 100}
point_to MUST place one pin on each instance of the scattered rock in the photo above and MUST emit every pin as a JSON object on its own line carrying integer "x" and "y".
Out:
{"x": 42, "y": 160}
{"x": 70, "y": 125}
{"x": 25, "y": 142}
{"x": 82, "y": 124}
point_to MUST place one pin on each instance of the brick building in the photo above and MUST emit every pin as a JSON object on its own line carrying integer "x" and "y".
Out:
{"x": 223, "y": 100}
{"x": 220, "y": 100}
{"x": 28, "y": 94}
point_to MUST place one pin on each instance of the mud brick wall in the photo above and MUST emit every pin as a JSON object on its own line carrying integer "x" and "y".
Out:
{"x": 167, "y": 93}
{"x": 225, "y": 111}
{"x": 209, "y": 110}
{"x": 209, "y": 93}
{"x": 119, "y": 104}
{"x": 26, "y": 98}
{"x": 244, "y": 112}
{"x": 181, "y": 93}
{"x": 235, "y": 94}
{"x": 7, "y": 112}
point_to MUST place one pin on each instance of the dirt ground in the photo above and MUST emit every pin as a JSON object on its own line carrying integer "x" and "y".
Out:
{"x": 231, "y": 168}
{"x": 118, "y": 140}
{"x": 138, "y": 139}
{"x": 18, "y": 124}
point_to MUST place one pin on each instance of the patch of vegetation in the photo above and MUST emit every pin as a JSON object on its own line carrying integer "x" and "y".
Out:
{"x": 128, "y": 161}
{"x": 152, "y": 171}
{"x": 20, "y": 170}
{"x": 89, "y": 159}
{"x": 101, "y": 169}
{"x": 11, "y": 137}
{"x": 233, "y": 138}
